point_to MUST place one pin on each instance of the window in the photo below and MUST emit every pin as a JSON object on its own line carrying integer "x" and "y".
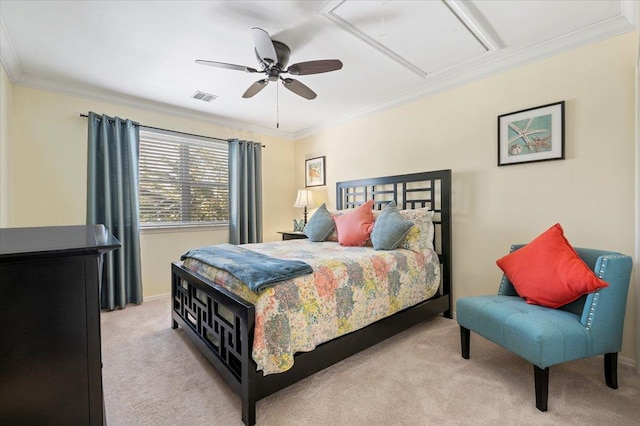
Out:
{"x": 183, "y": 180}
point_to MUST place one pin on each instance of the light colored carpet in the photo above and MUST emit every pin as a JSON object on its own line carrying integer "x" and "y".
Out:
{"x": 154, "y": 375}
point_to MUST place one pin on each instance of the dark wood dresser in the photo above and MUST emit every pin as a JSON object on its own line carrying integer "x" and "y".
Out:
{"x": 50, "y": 360}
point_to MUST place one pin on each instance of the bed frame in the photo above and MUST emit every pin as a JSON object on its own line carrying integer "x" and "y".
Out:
{"x": 221, "y": 324}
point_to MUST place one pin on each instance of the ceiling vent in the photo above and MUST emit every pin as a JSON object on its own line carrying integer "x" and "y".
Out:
{"x": 202, "y": 96}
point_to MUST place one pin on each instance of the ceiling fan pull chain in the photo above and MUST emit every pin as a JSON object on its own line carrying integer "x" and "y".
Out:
{"x": 277, "y": 106}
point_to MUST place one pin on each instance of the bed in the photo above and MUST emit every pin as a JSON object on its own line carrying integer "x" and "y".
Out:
{"x": 227, "y": 328}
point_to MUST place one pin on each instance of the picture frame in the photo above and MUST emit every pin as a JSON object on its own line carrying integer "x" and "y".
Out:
{"x": 314, "y": 172}
{"x": 531, "y": 135}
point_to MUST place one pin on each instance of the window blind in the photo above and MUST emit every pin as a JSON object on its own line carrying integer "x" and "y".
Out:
{"x": 183, "y": 180}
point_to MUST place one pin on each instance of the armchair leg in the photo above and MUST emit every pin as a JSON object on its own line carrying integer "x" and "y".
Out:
{"x": 465, "y": 337}
{"x": 611, "y": 369}
{"x": 541, "y": 377}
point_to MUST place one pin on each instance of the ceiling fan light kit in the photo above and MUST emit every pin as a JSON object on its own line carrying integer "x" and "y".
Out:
{"x": 273, "y": 57}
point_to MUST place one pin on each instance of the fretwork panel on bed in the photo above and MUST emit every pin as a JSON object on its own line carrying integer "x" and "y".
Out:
{"x": 411, "y": 195}
{"x": 411, "y": 191}
{"x": 213, "y": 322}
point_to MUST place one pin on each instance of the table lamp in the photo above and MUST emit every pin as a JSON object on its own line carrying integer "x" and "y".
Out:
{"x": 304, "y": 199}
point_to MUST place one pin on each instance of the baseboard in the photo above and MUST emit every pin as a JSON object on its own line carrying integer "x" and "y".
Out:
{"x": 627, "y": 361}
{"x": 157, "y": 296}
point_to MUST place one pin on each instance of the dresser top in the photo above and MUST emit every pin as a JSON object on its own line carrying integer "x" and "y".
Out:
{"x": 75, "y": 240}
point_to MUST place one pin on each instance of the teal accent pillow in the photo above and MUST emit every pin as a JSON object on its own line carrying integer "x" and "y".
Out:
{"x": 320, "y": 226}
{"x": 390, "y": 229}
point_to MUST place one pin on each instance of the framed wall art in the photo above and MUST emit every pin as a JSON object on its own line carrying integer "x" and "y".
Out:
{"x": 314, "y": 172}
{"x": 534, "y": 134}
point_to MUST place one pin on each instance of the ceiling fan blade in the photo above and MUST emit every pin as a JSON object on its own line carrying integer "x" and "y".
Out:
{"x": 255, "y": 88}
{"x": 264, "y": 45}
{"x": 315, "y": 67}
{"x": 227, "y": 66}
{"x": 298, "y": 88}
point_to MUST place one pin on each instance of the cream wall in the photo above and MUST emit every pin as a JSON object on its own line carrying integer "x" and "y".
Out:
{"x": 43, "y": 163}
{"x": 48, "y": 153}
{"x": 591, "y": 193}
{"x": 6, "y": 102}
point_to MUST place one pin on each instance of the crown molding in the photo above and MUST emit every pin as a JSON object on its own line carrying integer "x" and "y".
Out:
{"x": 494, "y": 63}
{"x": 19, "y": 77}
{"x": 72, "y": 89}
{"x": 8, "y": 56}
{"x": 629, "y": 9}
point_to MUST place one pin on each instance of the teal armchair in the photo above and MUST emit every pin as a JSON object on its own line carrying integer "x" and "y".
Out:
{"x": 590, "y": 326}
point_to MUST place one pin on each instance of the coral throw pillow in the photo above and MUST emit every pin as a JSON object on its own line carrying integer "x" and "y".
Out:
{"x": 355, "y": 227}
{"x": 548, "y": 271}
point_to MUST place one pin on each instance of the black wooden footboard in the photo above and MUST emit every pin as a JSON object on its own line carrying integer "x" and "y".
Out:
{"x": 221, "y": 325}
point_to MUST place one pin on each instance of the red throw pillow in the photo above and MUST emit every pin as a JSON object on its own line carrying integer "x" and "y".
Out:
{"x": 355, "y": 227}
{"x": 548, "y": 271}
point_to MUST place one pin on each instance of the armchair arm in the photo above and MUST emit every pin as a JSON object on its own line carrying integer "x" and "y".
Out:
{"x": 604, "y": 309}
{"x": 506, "y": 288}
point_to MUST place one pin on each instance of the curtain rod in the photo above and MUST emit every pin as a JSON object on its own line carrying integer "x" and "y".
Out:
{"x": 175, "y": 131}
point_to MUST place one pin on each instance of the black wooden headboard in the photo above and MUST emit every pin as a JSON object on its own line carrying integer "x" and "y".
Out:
{"x": 410, "y": 191}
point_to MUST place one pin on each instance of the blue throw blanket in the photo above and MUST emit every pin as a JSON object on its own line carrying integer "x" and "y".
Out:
{"x": 256, "y": 270}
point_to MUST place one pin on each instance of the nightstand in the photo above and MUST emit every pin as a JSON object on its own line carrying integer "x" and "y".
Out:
{"x": 292, "y": 235}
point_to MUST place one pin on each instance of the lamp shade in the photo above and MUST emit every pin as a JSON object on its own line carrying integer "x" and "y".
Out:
{"x": 304, "y": 199}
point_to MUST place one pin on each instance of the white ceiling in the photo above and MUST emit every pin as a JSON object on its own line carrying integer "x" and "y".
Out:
{"x": 142, "y": 53}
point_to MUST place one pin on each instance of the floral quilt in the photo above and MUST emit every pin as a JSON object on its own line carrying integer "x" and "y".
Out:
{"x": 350, "y": 288}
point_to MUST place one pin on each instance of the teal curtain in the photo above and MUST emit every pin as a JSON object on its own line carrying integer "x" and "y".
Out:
{"x": 245, "y": 192}
{"x": 112, "y": 200}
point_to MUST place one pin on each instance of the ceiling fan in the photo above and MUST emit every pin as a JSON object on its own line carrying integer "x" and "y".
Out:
{"x": 273, "y": 57}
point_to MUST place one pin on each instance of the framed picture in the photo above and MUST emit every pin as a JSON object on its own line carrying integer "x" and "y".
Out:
{"x": 314, "y": 172}
{"x": 534, "y": 134}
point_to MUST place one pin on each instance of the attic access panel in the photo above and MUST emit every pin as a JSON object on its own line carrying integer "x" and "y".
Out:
{"x": 423, "y": 36}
